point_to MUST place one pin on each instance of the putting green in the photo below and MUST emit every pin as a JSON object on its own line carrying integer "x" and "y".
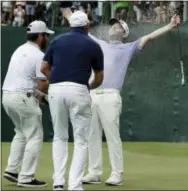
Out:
{"x": 147, "y": 166}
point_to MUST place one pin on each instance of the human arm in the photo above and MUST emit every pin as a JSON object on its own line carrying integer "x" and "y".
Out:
{"x": 42, "y": 82}
{"x": 175, "y": 21}
{"x": 15, "y": 12}
{"x": 46, "y": 69}
{"x": 42, "y": 97}
{"x": 97, "y": 81}
{"x": 97, "y": 66}
{"x": 67, "y": 14}
{"x": 47, "y": 62}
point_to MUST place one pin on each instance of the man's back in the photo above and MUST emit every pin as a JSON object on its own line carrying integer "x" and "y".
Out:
{"x": 72, "y": 55}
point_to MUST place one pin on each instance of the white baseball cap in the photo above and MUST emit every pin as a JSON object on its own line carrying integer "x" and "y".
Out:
{"x": 38, "y": 27}
{"x": 122, "y": 23}
{"x": 78, "y": 19}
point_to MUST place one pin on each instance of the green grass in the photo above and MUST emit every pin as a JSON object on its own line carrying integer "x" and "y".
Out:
{"x": 147, "y": 166}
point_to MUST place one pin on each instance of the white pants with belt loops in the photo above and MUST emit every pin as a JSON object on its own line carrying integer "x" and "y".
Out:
{"x": 106, "y": 110}
{"x": 26, "y": 116}
{"x": 70, "y": 100}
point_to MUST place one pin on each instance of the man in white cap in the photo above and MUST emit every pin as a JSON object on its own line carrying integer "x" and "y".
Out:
{"x": 106, "y": 100}
{"x": 67, "y": 64}
{"x": 22, "y": 106}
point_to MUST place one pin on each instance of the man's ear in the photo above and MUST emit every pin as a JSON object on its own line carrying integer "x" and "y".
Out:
{"x": 66, "y": 22}
{"x": 86, "y": 28}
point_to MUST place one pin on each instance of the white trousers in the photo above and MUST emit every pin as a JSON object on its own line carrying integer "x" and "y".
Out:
{"x": 70, "y": 100}
{"x": 106, "y": 110}
{"x": 26, "y": 116}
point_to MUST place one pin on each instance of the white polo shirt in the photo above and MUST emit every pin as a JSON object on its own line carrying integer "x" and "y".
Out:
{"x": 24, "y": 68}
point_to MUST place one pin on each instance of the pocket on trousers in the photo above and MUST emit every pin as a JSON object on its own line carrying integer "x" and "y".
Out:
{"x": 84, "y": 103}
{"x": 118, "y": 102}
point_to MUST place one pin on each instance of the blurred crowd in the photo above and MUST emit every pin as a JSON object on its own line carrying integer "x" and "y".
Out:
{"x": 21, "y": 13}
{"x": 148, "y": 11}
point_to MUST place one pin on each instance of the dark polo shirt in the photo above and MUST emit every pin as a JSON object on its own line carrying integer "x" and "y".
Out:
{"x": 72, "y": 55}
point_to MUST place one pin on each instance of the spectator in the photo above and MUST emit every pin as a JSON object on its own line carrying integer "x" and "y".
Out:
{"x": 63, "y": 6}
{"x": 99, "y": 11}
{"x": 22, "y": 3}
{"x": 40, "y": 11}
{"x": 19, "y": 14}
{"x": 137, "y": 10}
{"x": 121, "y": 10}
{"x": 48, "y": 13}
{"x": 6, "y": 12}
{"x": 30, "y": 11}
{"x": 161, "y": 13}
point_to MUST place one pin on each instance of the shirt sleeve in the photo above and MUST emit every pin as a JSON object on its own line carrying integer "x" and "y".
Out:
{"x": 98, "y": 61}
{"x": 134, "y": 47}
{"x": 39, "y": 75}
{"x": 48, "y": 54}
{"x": 100, "y": 42}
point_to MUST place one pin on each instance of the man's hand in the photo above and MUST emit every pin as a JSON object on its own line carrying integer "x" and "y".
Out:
{"x": 66, "y": 13}
{"x": 42, "y": 85}
{"x": 42, "y": 97}
{"x": 175, "y": 21}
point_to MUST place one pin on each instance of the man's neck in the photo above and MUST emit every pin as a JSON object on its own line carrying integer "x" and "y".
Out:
{"x": 115, "y": 42}
{"x": 34, "y": 44}
{"x": 79, "y": 29}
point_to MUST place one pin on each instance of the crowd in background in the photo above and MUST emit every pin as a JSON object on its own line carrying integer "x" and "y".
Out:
{"x": 21, "y": 13}
{"x": 147, "y": 11}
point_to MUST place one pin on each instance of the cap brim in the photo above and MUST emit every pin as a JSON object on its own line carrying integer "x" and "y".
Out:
{"x": 50, "y": 31}
{"x": 113, "y": 21}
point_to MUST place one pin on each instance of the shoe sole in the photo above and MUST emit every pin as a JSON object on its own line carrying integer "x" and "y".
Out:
{"x": 31, "y": 186}
{"x": 111, "y": 184}
{"x": 10, "y": 178}
{"x": 91, "y": 182}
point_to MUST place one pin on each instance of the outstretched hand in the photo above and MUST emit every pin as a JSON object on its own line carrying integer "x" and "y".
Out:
{"x": 175, "y": 21}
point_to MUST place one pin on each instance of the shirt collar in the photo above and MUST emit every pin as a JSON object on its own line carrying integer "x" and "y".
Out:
{"x": 115, "y": 42}
{"x": 33, "y": 44}
{"x": 79, "y": 30}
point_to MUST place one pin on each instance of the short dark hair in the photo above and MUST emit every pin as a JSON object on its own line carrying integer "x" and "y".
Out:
{"x": 81, "y": 28}
{"x": 32, "y": 36}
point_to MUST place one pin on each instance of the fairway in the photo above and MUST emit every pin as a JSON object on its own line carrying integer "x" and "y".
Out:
{"x": 147, "y": 166}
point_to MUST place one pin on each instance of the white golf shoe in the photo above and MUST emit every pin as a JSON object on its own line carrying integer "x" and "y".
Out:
{"x": 91, "y": 179}
{"x": 114, "y": 180}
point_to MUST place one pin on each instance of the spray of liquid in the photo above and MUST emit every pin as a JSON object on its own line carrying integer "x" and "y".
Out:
{"x": 101, "y": 32}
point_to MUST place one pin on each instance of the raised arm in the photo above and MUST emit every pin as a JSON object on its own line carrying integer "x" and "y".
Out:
{"x": 175, "y": 21}
{"x": 100, "y": 42}
{"x": 67, "y": 14}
